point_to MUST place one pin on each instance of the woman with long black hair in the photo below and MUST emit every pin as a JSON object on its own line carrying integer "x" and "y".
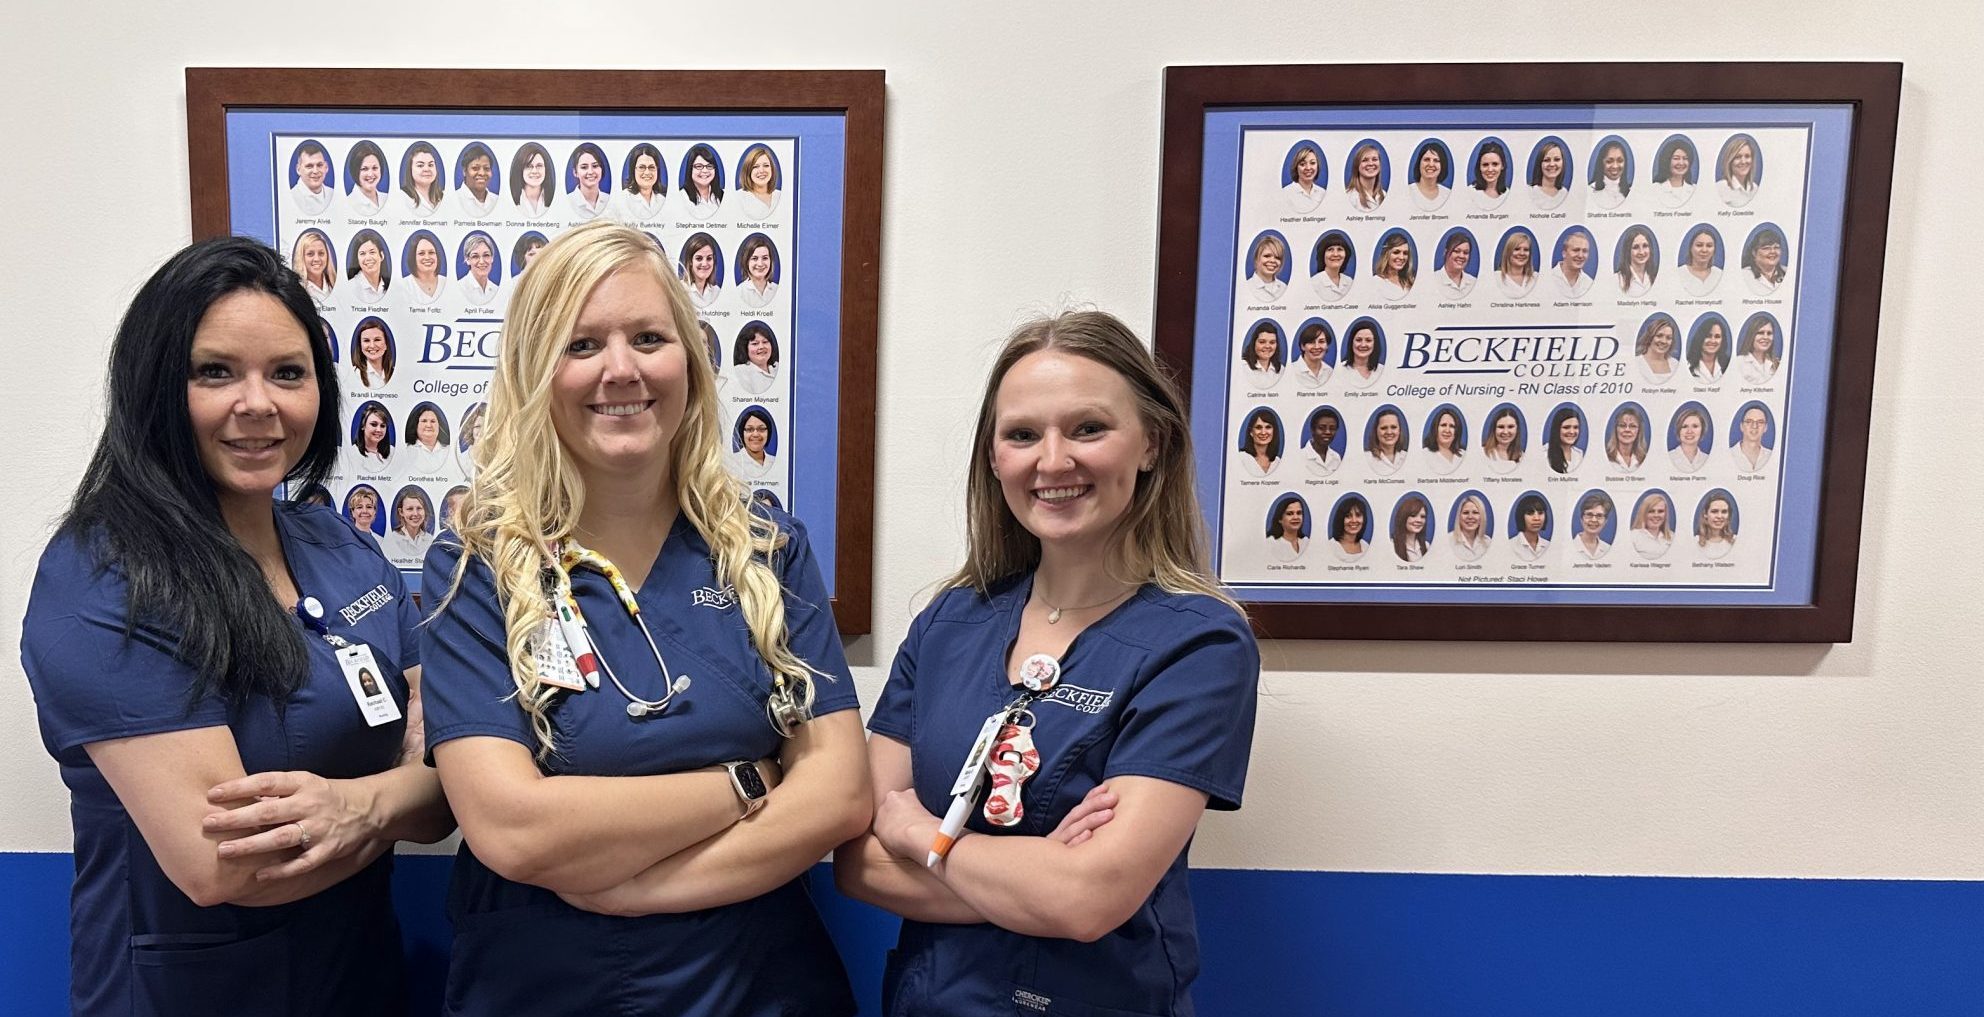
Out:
{"x": 195, "y": 648}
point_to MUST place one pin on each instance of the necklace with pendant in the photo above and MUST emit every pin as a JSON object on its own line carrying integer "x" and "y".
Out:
{"x": 1054, "y": 613}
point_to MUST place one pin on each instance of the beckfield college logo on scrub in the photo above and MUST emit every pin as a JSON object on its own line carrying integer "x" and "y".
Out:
{"x": 372, "y": 600}
{"x": 1089, "y": 701}
{"x": 711, "y": 597}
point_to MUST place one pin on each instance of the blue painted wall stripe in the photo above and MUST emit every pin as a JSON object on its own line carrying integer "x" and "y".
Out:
{"x": 1378, "y": 944}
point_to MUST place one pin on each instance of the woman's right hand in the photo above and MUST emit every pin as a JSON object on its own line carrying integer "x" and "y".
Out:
{"x": 1096, "y": 809}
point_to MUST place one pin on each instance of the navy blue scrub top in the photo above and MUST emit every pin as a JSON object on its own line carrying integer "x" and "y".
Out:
{"x": 1161, "y": 687}
{"x": 519, "y": 948}
{"x": 139, "y": 945}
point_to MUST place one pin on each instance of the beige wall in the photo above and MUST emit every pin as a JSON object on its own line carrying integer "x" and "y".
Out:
{"x": 1022, "y": 175}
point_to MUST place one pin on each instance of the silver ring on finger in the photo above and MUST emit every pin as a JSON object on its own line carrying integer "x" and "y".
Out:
{"x": 302, "y": 835}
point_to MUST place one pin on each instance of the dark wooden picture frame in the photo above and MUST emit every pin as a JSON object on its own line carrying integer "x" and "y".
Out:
{"x": 1872, "y": 90}
{"x": 857, "y": 95}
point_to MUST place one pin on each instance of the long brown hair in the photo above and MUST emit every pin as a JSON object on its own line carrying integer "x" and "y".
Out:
{"x": 1161, "y": 539}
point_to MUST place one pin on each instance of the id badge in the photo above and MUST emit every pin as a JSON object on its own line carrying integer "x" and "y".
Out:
{"x": 551, "y": 655}
{"x": 974, "y": 764}
{"x": 368, "y": 685}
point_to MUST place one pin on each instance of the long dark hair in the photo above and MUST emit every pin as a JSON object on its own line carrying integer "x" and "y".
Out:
{"x": 146, "y": 503}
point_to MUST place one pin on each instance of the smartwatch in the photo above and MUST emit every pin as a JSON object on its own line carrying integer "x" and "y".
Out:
{"x": 749, "y": 785}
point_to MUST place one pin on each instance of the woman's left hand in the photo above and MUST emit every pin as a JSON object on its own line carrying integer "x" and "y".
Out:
{"x": 904, "y": 826}
{"x": 290, "y": 811}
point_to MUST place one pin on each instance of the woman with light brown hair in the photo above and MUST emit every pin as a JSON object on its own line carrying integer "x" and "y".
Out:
{"x": 1086, "y": 584}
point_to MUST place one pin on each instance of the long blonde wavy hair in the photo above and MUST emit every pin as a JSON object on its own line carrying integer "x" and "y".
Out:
{"x": 1161, "y": 539}
{"x": 527, "y": 494}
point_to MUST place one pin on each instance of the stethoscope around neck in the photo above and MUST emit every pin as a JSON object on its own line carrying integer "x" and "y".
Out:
{"x": 585, "y": 655}
{"x": 789, "y": 706}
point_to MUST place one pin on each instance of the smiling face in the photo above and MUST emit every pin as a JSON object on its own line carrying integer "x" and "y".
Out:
{"x": 1552, "y": 166}
{"x": 1712, "y": 341}
{"x": 1363, "y": 347}
{"x": 1291, "y": 520}
{"x": 1660, "y": 345}
{"x": 702, "y": 173}
{"x": 702, "y": 266}
{"x": 1640, "y": 251}
{"x": 1446, "y": 431}
{"x": 251, "y": 395}
{"x": 364, "y": 509}
{"x": 1742, "y": 161}
{"x": 426, "y": 258}
{"x": 1430, "y": 166}
{"x": 316, "y": 258}
{"x": 534, "y": 172}
{"x": 1753, "y": 423}
{"x": 1369, "y": 164}
{"x": 1612, "y": 163}
{"x": 1469, "y": 520}
{"x": 759, "y": 264}
{"x": 480, "y": 260}
{"x": 647, "y": 173}
{"x": 1314, "y": 345}
{"x": 1397, "y": 256}
{"x": 1415, "y": 520}
{"x": 1067, "y": 443}
{"x": 758, "y": 349}
{"x": 427, "y": 427}
{"x": 1655, "y": 515}
{"x": 1627, "y": 429}
{"x": 423, "y": 170}
{"x": 1770, "y": 254}
{"x": 1322, "y": 432}
{"x": 756, "y": 434}
{"x": 1353, "y": 522}
{"x": 1762, "y": 339}
{"x": 372, "y": 344}
{"x": 1387, "y": 431}
{"x": 1457, "y": 258}
{"x": 1335, "y": 256}
{"x": 1506, "y": 431}
{"x": 1678, "y": 162}
{"x": 1260, "y": 434}
{"x": 413, "y": 515}
{"x": 1577, "y": 251}
{"x": 1568, "y": 430}
{"x": 1520, "y": 253}
{"x": 759, "y": 173}
{"x": 621, "y": 384}
{"x": 586, "y": 167}
{"x": 1715, "y": 517}
{"x": 475, "y": 173}
{"x": 1267, "y": 347}
{"x": 372, "y": 431}
{"x": 1306, "y": 166}
{"x": 1689, "y": 430}
{"x": 1593, "y": 519}
{"x": 1701, "y": 250}
{"x": 369, "y": 172}
{"x": 1267, "y": 260}
{"x": 370, "y": 257}
{"x": 1489, "y": 169}
{"x": 310, "y": 169}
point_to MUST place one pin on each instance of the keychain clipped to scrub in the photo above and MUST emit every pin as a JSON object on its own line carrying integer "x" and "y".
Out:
{"x": 1014, "y": 759}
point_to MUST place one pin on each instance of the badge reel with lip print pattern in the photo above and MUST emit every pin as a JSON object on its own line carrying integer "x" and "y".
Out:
{"x": 1014, "y": 759}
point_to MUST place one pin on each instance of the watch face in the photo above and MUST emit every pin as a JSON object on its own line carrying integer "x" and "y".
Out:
{"x": 749, "y": 781}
